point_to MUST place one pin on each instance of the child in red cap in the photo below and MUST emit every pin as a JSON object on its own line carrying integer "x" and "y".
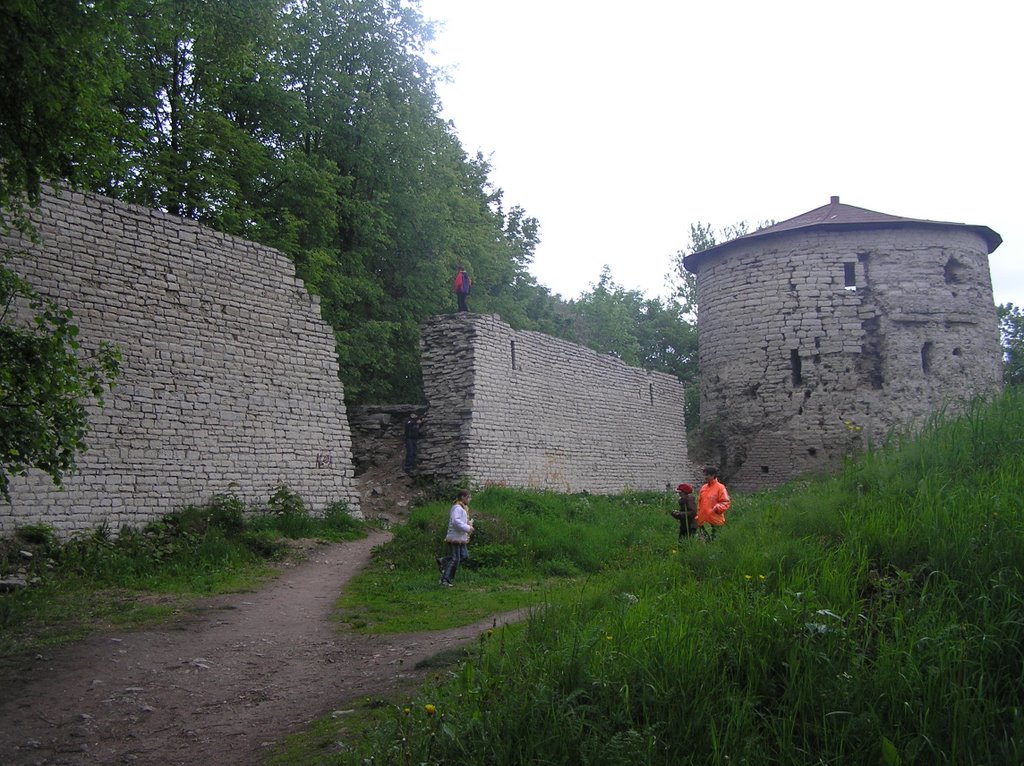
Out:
{"x": 687, "y": 513}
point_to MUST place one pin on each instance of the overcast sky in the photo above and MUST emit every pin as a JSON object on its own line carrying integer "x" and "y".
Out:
{"x": 618, "y": 124}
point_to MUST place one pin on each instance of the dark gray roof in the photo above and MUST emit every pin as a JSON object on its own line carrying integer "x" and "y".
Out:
{"x": 836, "y": 216}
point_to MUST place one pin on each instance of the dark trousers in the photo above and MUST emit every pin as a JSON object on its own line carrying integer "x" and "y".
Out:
{"x": 410, "y": 452}
{"x": 462, "y": 301}
{"x": 450, "y": 564}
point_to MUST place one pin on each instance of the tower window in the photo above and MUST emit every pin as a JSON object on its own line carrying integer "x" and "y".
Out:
{"x": 926, "y": 357}
{"x": 795, "y": 367}
{"x": 954, "y": 272}
{"x": 513, "y": 354}
{"x": 849, "y": 276}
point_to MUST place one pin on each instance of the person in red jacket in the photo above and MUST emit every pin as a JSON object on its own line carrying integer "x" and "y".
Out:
{"x": 712, "y": 503}
{"x": 463, "y": 284}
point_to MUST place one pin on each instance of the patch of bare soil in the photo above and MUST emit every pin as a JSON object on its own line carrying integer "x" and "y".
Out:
{"x": 224, "y": 684}
{"x": 386, "y": 490}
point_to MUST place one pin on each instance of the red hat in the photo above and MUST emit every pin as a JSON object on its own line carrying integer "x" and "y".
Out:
{"x": 684, "y": 488}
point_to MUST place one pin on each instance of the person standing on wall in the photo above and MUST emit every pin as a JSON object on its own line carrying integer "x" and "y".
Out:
{"x": 460, "y": 527}
{"x": 712, "y": 503}
{"x": 687, "y": 513}
{"x": 412, "y": 433}
{"x": 463, "y": 284}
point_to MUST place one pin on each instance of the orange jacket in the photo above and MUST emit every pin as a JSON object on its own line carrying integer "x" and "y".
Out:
{"x": 712, "y": 503}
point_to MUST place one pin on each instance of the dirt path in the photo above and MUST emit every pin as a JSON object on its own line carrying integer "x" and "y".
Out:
{"x": 217, "y": 688}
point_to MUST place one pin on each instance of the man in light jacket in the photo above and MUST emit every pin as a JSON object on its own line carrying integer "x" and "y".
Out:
{"x": 460, "y": 527}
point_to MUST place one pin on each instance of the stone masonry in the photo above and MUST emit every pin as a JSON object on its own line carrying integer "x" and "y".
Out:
{"x": 525, "y": 409}
{"x": 229, "y": 380}
{"x": 816, "y": 339}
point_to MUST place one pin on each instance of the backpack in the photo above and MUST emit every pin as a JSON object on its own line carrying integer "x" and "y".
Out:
{"x": 462, "y": 282}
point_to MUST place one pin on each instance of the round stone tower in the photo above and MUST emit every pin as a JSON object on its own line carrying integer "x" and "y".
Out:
{"x": 836, "y": 327}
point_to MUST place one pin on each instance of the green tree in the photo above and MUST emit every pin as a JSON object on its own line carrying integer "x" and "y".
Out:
{"x": 668, "y": 339}
{"x": 209, "y": 114}
{"x": 682, "y": 283}
{"x": 606, "y": 319}
{"x": 60, "y": 66}
{"x": 45, "y": 383}
{"x": 652, "y": 333}
{"x": 411, "y": 204}
{"x": 313, "y": 127}
{"x": 1011, "y": 330}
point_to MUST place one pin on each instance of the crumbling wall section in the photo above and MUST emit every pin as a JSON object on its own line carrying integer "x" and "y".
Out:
{"x": 230, "y": 376}
{"x": 528, "y": 410}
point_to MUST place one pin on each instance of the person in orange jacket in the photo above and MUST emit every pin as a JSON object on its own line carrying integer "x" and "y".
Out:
{"x": 712, "y": 503}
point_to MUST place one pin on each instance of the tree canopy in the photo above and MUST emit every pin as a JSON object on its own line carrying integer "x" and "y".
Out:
{"x": 313, "y": 127}
{"x": 1011, "y": 330}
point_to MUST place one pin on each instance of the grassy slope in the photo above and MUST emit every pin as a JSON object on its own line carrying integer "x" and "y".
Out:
{"x": 876, "y": 617}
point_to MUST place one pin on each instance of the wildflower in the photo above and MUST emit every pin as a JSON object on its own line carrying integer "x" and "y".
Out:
{"x": 407, "y": 710}
{"x": 608, "y": 638}
{"x": 748, "y": 577}
{"x": 431, "y": 710}
{"x": 674, "y": 551}
{"x": 760, "y": 577}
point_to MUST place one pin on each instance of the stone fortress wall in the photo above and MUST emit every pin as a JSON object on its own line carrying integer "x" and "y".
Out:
{"x": 814, "y": 342}
{"x": 525, "y": 409}
{"x": 229, "y": 375}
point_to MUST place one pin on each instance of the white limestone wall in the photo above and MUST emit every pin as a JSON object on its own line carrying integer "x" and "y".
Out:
{"x": 799, "y": 368}
{"x": 230, "y": 376}
{"x": 528, "y": 410}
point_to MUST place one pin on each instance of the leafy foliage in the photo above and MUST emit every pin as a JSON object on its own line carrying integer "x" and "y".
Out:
{"x": 1011, "y": 330}
{"x": 312, "y": 127}
{"x": 60, "y": 67}
{"x": 46, "y": 382}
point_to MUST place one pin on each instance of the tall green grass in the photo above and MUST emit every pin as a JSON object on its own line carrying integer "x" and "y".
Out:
{"x": 873, "y": 618}
{"x": 529, "y": 547}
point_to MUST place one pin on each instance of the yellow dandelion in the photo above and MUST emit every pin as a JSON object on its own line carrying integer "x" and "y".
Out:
{"x": 607, "y": 638}
{"x": 748, "y": 577}
{"x": 674, "y": 551}
{"x": 760, "y": 577}
{"x": 407, "y": 710}
{"x": 431, "y": 710}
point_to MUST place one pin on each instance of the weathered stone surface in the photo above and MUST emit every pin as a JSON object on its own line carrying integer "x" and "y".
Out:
{"x": 230, "y": 376}
{"x": 529, "y": 410}
{"x": 378, "y": 432}
{"x": 799, "y": 369}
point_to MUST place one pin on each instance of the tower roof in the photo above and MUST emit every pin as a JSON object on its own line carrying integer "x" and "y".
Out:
{"x": 835, "y": 216}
